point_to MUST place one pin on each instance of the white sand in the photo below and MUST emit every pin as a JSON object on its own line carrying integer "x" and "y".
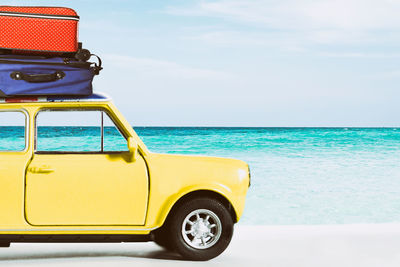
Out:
{"x": 322, "y": 246}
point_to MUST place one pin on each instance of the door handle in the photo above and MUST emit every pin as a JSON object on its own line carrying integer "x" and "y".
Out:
{"x": 41, "y": 169}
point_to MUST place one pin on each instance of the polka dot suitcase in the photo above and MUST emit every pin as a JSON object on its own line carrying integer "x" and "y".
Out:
{"x": 38, "y": 29}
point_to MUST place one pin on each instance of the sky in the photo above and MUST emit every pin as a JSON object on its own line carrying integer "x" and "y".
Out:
{"x": 327, "y": 63}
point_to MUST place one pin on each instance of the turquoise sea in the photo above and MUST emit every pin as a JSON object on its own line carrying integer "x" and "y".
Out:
{"x": 299, "y": 175}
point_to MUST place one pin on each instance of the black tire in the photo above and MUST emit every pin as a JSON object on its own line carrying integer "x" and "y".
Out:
{"x": 220, "y": 217}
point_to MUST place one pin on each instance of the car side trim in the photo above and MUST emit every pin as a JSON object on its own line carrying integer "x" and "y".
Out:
{"x": 6, "y": 239}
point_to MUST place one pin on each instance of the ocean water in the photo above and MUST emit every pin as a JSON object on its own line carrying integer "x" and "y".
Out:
{"x": 299, "y": 175}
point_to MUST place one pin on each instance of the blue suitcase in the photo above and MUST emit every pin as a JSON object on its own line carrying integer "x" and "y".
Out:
{"x": 35, "y": 76}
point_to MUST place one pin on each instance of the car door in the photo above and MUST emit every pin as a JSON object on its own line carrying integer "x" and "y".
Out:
{"x": 81, "y": 172}
{"x": 14, "y": 155}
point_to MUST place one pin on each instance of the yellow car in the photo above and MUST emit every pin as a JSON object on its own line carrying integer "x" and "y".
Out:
{"x": 72, "y": 169}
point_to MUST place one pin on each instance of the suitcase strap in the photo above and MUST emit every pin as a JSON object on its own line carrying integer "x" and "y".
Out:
{"x": 37, "y": 78}
{"x": 76, "y": 64}
{"x": 97, "y": 67}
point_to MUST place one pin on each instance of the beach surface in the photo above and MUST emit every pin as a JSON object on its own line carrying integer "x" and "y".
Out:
{"x": 322, "y": 245}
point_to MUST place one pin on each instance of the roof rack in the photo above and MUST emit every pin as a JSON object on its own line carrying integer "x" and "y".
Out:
{"x": 95, "y": 97}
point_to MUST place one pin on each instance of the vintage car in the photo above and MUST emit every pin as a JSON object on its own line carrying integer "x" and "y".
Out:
{"x": 72, "y": 169}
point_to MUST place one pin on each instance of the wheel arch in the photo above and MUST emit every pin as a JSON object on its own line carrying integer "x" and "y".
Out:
{"x": 203, "y": 193}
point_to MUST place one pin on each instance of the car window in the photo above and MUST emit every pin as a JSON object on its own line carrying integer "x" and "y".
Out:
{"x": 77, "y": 131}
{"x": 12, "y": 131}
{"x": 70, "y": 131}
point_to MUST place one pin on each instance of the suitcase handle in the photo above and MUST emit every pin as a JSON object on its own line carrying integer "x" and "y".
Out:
{"x": 37, "y": 78}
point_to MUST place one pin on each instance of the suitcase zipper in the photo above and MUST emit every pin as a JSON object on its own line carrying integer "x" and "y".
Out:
{"x": 38, "y": 16}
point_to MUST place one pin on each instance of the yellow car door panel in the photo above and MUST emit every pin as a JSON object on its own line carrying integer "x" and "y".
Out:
{"x": 86, "y": 189}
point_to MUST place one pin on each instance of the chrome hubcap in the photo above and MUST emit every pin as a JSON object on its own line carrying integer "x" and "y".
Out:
{"x": 201, "y": 229}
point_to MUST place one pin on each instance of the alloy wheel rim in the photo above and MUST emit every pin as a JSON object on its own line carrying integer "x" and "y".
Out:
{"x": 201, "y": 229}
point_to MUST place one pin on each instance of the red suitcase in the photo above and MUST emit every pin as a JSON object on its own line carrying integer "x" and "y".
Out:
{"x": 44, "y": 29}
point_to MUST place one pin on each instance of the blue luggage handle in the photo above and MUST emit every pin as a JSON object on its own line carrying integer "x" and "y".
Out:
{"x": 37, "y": 78}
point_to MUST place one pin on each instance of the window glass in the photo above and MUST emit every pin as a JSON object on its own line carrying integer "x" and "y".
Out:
{"x": 77, "y": 131}
{"x": 113, "y": 139}
{"x": 69, "y": 131}
{"x": 12, "y": 131}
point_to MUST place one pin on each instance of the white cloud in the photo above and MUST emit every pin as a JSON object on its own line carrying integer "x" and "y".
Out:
{"x": 360, "y": 55}
{"x": 295, "y": 14}
{"x": 292, "y": 40}
{"x": 228, "y": 37}
{"x": 157, "y": 68}
{"x": 307, "y": 21}
{"x": 287, "y": 42}
{"x": 393, "y": 75}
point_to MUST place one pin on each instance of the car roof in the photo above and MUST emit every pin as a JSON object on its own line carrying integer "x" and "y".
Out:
{"x": 95, "y": 97}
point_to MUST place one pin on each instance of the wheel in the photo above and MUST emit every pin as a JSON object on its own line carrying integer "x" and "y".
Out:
{"x": 200, "y": 229}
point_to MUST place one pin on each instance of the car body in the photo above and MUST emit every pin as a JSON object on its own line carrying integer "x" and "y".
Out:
{"x": 120, "y": 196}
